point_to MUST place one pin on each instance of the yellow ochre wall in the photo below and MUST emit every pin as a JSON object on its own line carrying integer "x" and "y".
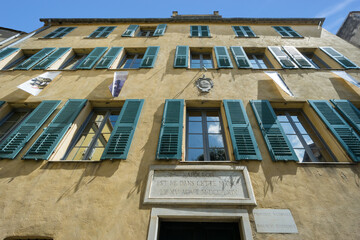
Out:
{"x": 104, "y": 200}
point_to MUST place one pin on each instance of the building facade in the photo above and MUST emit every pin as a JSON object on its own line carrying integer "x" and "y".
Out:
{"x": 189, "y": 127}
{"x": 350, "y": 30}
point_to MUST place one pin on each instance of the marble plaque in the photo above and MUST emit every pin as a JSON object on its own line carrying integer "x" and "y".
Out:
{"x": 274, "y": 221}
{"x": 193, "y": 184}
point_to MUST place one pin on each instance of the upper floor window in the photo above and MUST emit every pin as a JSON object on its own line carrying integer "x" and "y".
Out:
{"x": 131, "y": 60}
{"x": 101, "y": 32}
{"x": 201, "y": 60}
{"x": 259, "y": 61}
{"x": 11, "y": 121}
{"x": 60, "y": 32}
{"x": 199, "y": 31}
{"x": 317, "y": 62}
{"x": 144, "y": 31}
{"x": 243, "y": 31}
{"x": 286, "y": 31}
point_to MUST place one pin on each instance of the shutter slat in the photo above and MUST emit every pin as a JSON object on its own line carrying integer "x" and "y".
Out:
{"x": 46, "y": 143}
{"x": 160, "y": 30}
{"x": 286, "y": 31}
{"x": 96, "y": 33}
{"x": 338, "y": 57}
{"x": 89, "y": 61}
{"x": 34, "y": 59}
{"x": 130, "y": 31}
{"x": 13, "y": 144}
{"x": 149, "y": 58}
{"x": 347, "y": 137}
{"x": 60, "y": 32}
{"x": 223, "y": 58}
{"x": 241, "y": 59}
{"x": 181, "y": 57}
{"x": 52, "y": 58}
{"x": 281, "y": 57}
{"x": 120, "y": 140}
{"x": 109, "y": 58}
{"x": 349, "y": 111}
{"x": 298, "y": 58}
{"x": 242, "y": 136}
{"x": 170, "y": 138}
{"x": 276, "y": 141}
{"x": 65, "y": 32}
{"x": 105, "y": 33}
{"x": 7, "y": 51}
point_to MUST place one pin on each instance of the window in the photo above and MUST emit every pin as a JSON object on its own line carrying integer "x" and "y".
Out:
{"x": 11, "y": 121}
{"x": 199, "y": 31}
{"x": 259, "y": 61}
{"x": 315, "y": 60}
{"x": 306, "y": 142}
{"x": 34, "y": 59}
{"x": 131, "y": 61}
{"x": 73, "y": 62}
{"x": 146, "y": 32}
{"x": 101, "y": 32}
{"x": 286, "y": 31}
{"x": 136, "y": 58}
{"x": 243, "y": 31}
{"x": 60, "y": 32}
{"x": 205, "y": 140}
{"x": 91, "y": 141}
{"x": 201, "y": 60}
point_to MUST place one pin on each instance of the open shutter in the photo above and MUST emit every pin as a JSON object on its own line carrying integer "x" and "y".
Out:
{"x": 347, "y": 137}
{"x": 149, "y": 58}
{"x": 277, "y": 143}
{"x": 223, "y": 58}
{"x": 120, "y": 140}
{"x": 34, "y": 59}
{"x": 349, "y": 111}
{"x": 194, "y": 31}
{"x": 65, "y": 32}
{"x": 51, "y": 136}
{"x": 170, "y": 139}
{"x": 91, "y": 59}
{"x": 13, "y": 144}
{"x": 181, "y": 57}
{"x": 281, "y": 57}
{"x": 338, "y": 57}
{"x": 241, "y": 59}
{"x": 130, "y": 31}
{"x": 7, "y": 51}
{"x": 52, "y": 58}
{"x": 300, "y": 60}
{"x": 242, "y": 136}
{"x": 109, "y": 58}
{"x": 160, "y": 30}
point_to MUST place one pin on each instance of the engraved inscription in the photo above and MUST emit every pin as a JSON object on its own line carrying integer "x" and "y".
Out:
{"x": 274, "y": 221}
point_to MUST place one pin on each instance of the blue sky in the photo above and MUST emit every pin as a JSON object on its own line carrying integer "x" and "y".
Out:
{"x": 25, "y": 14}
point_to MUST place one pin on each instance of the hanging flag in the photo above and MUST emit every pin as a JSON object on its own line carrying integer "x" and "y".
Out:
{"x": 118, "y": 83}
{"x": 35, "y": 85}
{"x": 279, "y": 81}
{"x": 346, "y": 77}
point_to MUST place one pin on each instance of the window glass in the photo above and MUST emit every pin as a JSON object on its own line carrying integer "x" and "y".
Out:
{"x": 315, "y": 60}
{"x": 131, "y": 61}
{"x": 200, "y": 60}
{"x": 146, "y": 33}
{"x": 11, "y": 121}
{"x": 73, "y": 62}
{"x": 258, "y": 61}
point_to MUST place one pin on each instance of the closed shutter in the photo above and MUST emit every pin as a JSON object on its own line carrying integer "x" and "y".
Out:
{"x": 286, "y": 31}
{"x": 170, "y": 139}
{"x": 13, "y": 144}
{"x": 120, "y": 140}
{"x": 65, "y": 32}
{"x": 194, "y": 31}
{"x": 149, "y": 58}
{"x": 34, "y": 59}
{"x": 349, "y": 111}
{"x": 181, "y": 57}
{"x": 60, "y": 32}
{"x": 91, "y": 59}
{"x": 291, "y": 32}
{"x": 276, "y": 141}
{"x": 241, "y": 59}
{"x": 106, "y": 32}
{"x": 52, "y": 58}
{"x": 248, "y": 31}
{"x": 97, "y": 32}
{"x": 102, "y": 32}
{"x": 300, "y": 60}
{"x": 223, "y": 58}
{"x": 130, "y": 31}
{"x": 7, "y": 51}
{"x": 205, "y": 32}
{"x": 338, "y": 57}
{"x": 242, "y": 136}
{"x": 282, "y": 57}
{"x": 160, "y": 30}
{"x": 347, "y": 137}
{"x": 109, "y": 57}
{"x": 50, "y": 138}
{"x": 243, "y": 31}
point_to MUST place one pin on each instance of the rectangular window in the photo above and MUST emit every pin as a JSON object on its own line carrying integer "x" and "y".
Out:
{"x": 60, "y": 32}
{"x": 297, "y": 57}
{"x": 146, "y": 32}
{"x": 204, "y": 136}
{"x": 101, "y": 32}
{"x": 317, "y": 62}
{"x": 181, "y": 57}
{"x": 259, "y": 61}
{"x": 222, "y": 57}
{"x": 201, "y": 60}
{"x": 283, "y": 59}
{"x": 89, "y": 61}
{"x": 243, "y": 31}
{"x": 286, "y": 31}
{"x": 73, "y": 62}
{"x": 11, "y": 121}
{"x": 241, "y": 59}
{"x": 199, "y": 31}
{"x": 131, "y": 61}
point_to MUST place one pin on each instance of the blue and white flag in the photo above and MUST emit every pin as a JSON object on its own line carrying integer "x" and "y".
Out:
{"x": 118, "y": 83}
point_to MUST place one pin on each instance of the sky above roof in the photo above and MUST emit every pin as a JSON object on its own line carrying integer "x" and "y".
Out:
{"x": 24, "y": 15}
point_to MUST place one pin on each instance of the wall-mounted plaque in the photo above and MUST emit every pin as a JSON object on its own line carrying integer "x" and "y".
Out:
{"x": 274, "y": 221}
{"x": 195, "y": 184}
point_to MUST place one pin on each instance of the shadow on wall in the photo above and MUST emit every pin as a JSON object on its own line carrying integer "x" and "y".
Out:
{"x": 267, "y": 90}
{"x": 17, "y": 96}
{"x": 343, "y": 89}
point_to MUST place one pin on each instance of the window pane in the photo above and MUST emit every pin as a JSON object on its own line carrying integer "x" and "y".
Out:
{"x": 195, "y": 155}
{"x": 214, "y": 127}
{"x": 308, "y": 139}
{"x": 13, "y": 120}
{"x": 195, "y": 141}
{"x": 216, "y": 140}
{"x": 217, "y": 154}
{"x": 295, "y": 142}
{"x": 194, "y": 116}
{"x": 212, "y": 116}
{"x": 301, "y": 128}
{"x": 282, "y": 118}
{"x": 287, "y": 128}
{"x": 301, "y": 154}
{"x": 195, "y": 127}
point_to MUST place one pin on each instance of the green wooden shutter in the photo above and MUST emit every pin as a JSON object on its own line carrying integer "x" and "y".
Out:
{"x": 120, "y": 140}
{"x": 52, "y": 58}
{"x": 97, "y": 32}
{"x": 347, "y": 137}
{"x": 13, "y": 144}
{"x": 242, "y": 136}
{"x": 277, "y": 143}
{"x": 130, "y": 31}
{"x": 106, "y": 32}
{"x": 222, "y": 57}
{"x": 7, "y": 51}
{"x": 281, "y": 57}
{"x": 149, "y": 58}
{"x": 170, "y": 139}
{"x": 286, "y": 31}
{"x": 204, "y": 30}
{"x": 181, "y": 57}
{"x": 243, "y": 31}
{"x": 2, "y": 103}
{"x": 34, "y": 59}
{"x": 238, "y": 31}
{"x": 54, "y": 33}
{"x": 349, "y": 111}
{"x": 194, "y": 31}
{"x": 44, "y": 146}
{"x": 160, "y": 30}
{"x": 300, "y": 60}
{"x": 291, "y": 32}
{"x": 248, "y": 31}
{"x": 91, "y": 59}
{"x": 241, "y": 59}
{"x": 109, "y": 57}
{"x": 338, "y": 57}
{"x": 65, "y": 32}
